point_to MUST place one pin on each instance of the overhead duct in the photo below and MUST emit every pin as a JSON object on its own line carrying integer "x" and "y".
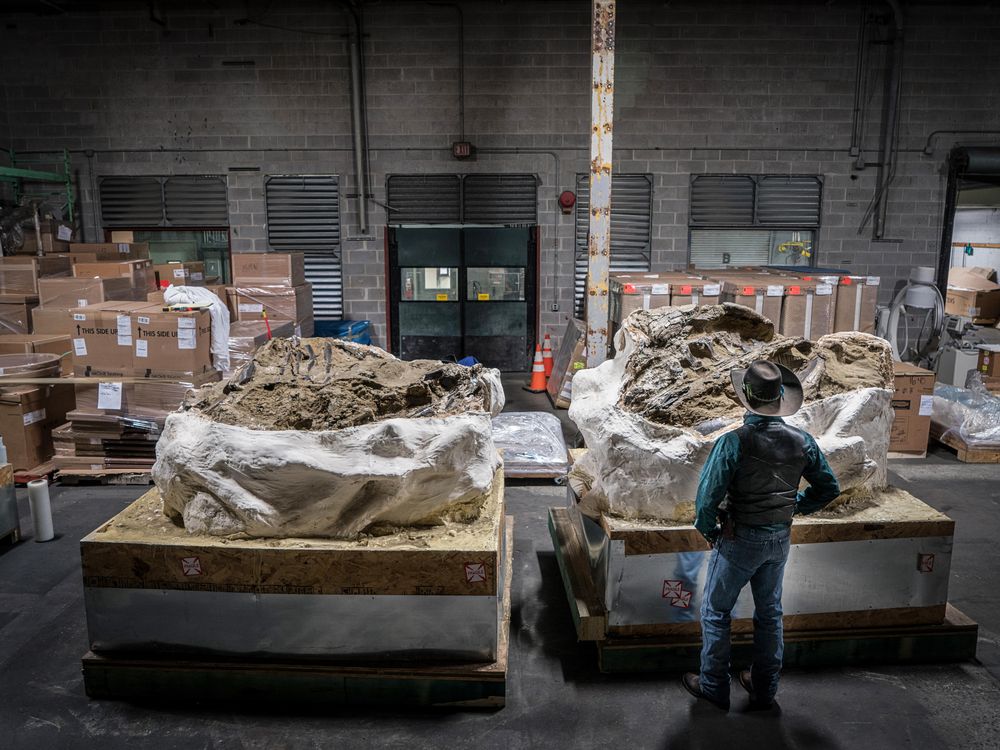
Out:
{"x": 358, "y": 114}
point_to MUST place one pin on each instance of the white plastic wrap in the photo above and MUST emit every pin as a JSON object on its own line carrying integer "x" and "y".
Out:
{"x": 972, "y": 415}
{"x": 222, "y": 479}
{"x": 642, "y": 469}
{"x": 531, "y": 443}
{"x": 194, "y": 295}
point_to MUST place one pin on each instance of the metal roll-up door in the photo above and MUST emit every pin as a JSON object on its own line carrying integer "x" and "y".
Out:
{"x": 191, "y": 201}
{"x": 507, "y": 199}
{"x": 631, "y": 228}
{"x": 746, "y": 247}
{"x": 131, "y": 201}
{"x": 722, "y": 200}
{"x": 303, "y": 215}
{"x": 424, "y": 199}
{"x": 788, "y": 201}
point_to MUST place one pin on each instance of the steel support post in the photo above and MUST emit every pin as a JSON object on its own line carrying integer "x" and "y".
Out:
{"x": 601, "y": 125}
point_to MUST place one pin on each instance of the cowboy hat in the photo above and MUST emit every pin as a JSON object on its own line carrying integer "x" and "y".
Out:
{"x": 768, "y": 389}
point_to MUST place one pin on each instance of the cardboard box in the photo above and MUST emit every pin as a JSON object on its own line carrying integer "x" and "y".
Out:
{"x": 695, "y": 292}
{"x": 763, "y": 294}
{"x": 40, "y": 343}
{"x": 305, "y": 327}
{"x": 55, "y": 238}
{"x": 912, "y": 404}
{"x": 28, "y": 415}
{"x": 808, "y": 309}
{"x": 188, "y": 273}
{"x": 268, "y": 269}
{"x": 280, "y": 302}
{"x": 15, "y": 312}
{"x": 111, "y": 251}
{"x": 246, "y": 337}
{"x": 970, "y": 295}
{"x": 140, "y": 272}
{"x": 20, "y": 274}
{"x": 170, "y": 344}
{"x": 570, "y": 358}
{"x": 102, "y": 338}
{"x": 989, "y": 361}
{"x": 631, "y": 292}
{"x": 148, "y": 399}
{"x": 73, "y": 292}
{"x": 857, "y": 300}
{"x": 53, "y": 320}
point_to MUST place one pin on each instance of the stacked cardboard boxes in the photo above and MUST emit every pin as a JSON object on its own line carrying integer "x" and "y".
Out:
{"x": 143, "y": 360}
{"x": 971, "y": 294}
{"x": 19, "y": 278}
{"x": 272, "y": 285}
{"x": 912, "y": 404}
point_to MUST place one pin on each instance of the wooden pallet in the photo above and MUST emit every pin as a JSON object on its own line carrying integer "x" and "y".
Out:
{"x": 966, "y": 454}
{"x": 42, "y": 471}
{"x": 952, "y": 640}
{"x": 76, "y": 477}
{"x": 316, "y": 684}
{"x": 10, "y": 538}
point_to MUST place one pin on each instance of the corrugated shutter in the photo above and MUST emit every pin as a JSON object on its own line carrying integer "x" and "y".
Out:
{"x": 631, "y": 223}
{"x": 424, "y": 199}
{"x": 131, "y": 201}
{"x": 788, "y": 201}
{"x": 196, "y": 201}
{"x": 303, "y": 214}
{"x": 721, "y": 200}
{"x": 327, "y": 279}
{"x": 505, "y": 199}
{"x": 746, "y": 247}
{"x": 179, "y": 201}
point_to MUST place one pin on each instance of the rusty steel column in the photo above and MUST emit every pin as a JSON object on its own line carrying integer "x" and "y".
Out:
{"x": 601, "y": 119}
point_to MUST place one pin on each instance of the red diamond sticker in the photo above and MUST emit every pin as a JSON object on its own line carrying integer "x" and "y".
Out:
{"x": 191, "y": 566}
{"x": 676, "y": 594}
{"x": 925, "y": 563}
{"x": 475, "y": 572}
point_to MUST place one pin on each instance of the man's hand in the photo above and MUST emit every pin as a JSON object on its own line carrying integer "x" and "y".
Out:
{"x": 713, "y": 536}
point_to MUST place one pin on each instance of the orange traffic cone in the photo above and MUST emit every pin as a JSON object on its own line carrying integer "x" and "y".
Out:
{"x": 547, "y": 355}
{"x": 537, "y": 384}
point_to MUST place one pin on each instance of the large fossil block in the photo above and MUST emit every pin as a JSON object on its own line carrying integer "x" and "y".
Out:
{"x": 324, "y": 438}
{"x": 651, "y": 415}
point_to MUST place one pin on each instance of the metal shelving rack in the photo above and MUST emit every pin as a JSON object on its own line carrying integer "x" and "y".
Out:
{"x": 17, "y": 175}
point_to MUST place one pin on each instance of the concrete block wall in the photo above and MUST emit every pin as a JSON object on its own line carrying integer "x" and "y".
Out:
{"x": 701, "y": 87}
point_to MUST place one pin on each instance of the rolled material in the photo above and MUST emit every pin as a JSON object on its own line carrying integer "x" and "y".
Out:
{"x": 41, "y": 509}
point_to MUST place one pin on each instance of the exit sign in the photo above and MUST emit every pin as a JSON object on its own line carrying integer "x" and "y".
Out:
{"x": 461, "y": 149}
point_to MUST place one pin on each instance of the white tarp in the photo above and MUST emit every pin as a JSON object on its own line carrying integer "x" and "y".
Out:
{"x": 196, "y": 295}
{"x": 645, "y": 470}
{"x": 223, "y": 479}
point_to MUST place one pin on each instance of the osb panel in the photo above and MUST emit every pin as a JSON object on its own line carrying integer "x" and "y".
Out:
{"x": 903, "y": 518}
{"x": 869, "y": 618}
{"x": 122, "y": 554}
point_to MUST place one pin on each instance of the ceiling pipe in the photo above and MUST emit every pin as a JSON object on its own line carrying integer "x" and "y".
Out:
{"x": 890, "y": 123}
{"x": 358, "y": 114}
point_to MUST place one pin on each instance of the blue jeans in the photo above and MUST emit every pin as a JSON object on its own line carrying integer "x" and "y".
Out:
{"x": 757, "y": 557}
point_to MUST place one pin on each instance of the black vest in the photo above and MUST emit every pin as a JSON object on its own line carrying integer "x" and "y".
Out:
{"x": 766, "y": 482}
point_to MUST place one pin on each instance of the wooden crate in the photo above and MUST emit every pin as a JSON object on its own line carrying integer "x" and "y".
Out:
{"x": 966, "y": 454}
{"x": 317, "y": 684}
{"x": 148, "y": 582}
{"x": 900, "y": 634}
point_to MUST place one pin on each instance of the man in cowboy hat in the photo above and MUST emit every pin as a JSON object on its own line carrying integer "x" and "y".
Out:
{"x": 751, "y": 483}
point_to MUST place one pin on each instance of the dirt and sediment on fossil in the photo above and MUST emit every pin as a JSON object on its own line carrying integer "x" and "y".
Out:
{"x": 328, "y": 384}
{"x": 678, "y": 372}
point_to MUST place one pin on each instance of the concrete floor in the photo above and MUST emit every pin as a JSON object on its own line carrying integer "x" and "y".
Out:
{"x": 556, "y": 697}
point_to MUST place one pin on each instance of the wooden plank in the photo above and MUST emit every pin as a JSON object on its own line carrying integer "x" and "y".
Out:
{"x": 953, "y": 640}
{"x": 966, "y": 454}
{"x": 589, "y": 614}
{"x": 311, "y": 683}
{"x": 793, "y": 624}
{"x": 42, "y": 471}
{"x": 866, "y": 524}
{"x": 141, "y": 548}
